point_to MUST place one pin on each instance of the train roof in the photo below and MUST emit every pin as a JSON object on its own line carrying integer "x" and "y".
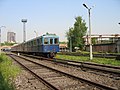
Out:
{"x": 45, "y": 35}
{"x": 49, "y": 35}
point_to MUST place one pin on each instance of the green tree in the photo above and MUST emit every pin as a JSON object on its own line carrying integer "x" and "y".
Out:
{"x": 94, "y": 40}
{"x": 62, "y": 42}
{"x": 76, "y": 33}
{"x": 70, "y": 37}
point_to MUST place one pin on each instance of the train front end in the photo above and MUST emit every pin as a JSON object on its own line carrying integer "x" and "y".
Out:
{"x": 50, "y": 45}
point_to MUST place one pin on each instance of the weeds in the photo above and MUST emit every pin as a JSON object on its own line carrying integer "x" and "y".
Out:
{"x": 7, "y": 73}
{"x": 86, "y": 59}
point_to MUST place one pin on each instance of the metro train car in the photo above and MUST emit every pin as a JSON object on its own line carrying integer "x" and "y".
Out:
{"x": 45, "y": 45}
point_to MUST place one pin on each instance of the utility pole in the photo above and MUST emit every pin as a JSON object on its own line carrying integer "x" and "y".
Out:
{"x": 91, "y": 56}
{"x": 0, "y": 37}
{"x": 70, "y": 43}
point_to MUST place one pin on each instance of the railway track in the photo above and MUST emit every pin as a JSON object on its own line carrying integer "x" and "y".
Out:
{"x": 94, "y": 66}
{"x": 78, "y": 81}
{"x": 51, "y": 87}
{"x": 100, "y": 69}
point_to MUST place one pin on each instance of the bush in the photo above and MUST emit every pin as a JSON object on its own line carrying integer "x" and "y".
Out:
{"x": 7, "y": 73}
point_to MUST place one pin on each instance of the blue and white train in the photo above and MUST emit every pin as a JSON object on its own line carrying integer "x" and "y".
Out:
{"x": 45, "y": 45}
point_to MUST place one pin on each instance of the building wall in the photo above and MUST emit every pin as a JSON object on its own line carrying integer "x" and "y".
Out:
{"x": 63, "y": 47}
{"x": 11, "y": 37}
{"x": 111, "y": 47}
{"x": 118, "y": 46}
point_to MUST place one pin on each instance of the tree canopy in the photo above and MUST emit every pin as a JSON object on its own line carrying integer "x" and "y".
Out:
{"x": 76, "y": 33}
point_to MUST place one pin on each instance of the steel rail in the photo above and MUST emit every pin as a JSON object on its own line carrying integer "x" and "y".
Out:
{"x": 63, "y": 60}
{"x": 41, "y": 79}
{"x": 81, "y": 79}
{"x": 82, "y": 64}
{"x": 93, "y": 66}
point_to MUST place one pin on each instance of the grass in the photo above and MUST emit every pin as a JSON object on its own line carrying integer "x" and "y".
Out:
{"x": 86, "y": 59}
{"x": 85, "y": 52}
{"x": 7, "y": 73}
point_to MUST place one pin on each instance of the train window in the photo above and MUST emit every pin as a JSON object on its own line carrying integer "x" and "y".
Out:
{"x": 45, "y": 40}
{"x": 31, "y": 43}
{"x": 51, "y": 41}
{"x": 34, "y": 42}
{"x": 40, "y": 40}
{"x": 27, "y": 44}
{"x": 56, "y": 41}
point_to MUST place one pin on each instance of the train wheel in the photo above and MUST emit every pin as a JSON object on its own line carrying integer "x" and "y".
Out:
{"x": 52, "y": 55}
{"x": 48, "y": 55}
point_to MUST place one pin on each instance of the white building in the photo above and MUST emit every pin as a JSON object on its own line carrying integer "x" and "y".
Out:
{"x": 11, "y": 37}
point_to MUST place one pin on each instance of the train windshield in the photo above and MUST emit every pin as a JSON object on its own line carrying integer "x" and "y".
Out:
{"x": 46, "y": 41}
{"x": 51, "y": 41}
{"x": 56, "y": 41}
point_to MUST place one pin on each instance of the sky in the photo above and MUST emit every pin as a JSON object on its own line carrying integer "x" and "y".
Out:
{"x": 56, "y": 16}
